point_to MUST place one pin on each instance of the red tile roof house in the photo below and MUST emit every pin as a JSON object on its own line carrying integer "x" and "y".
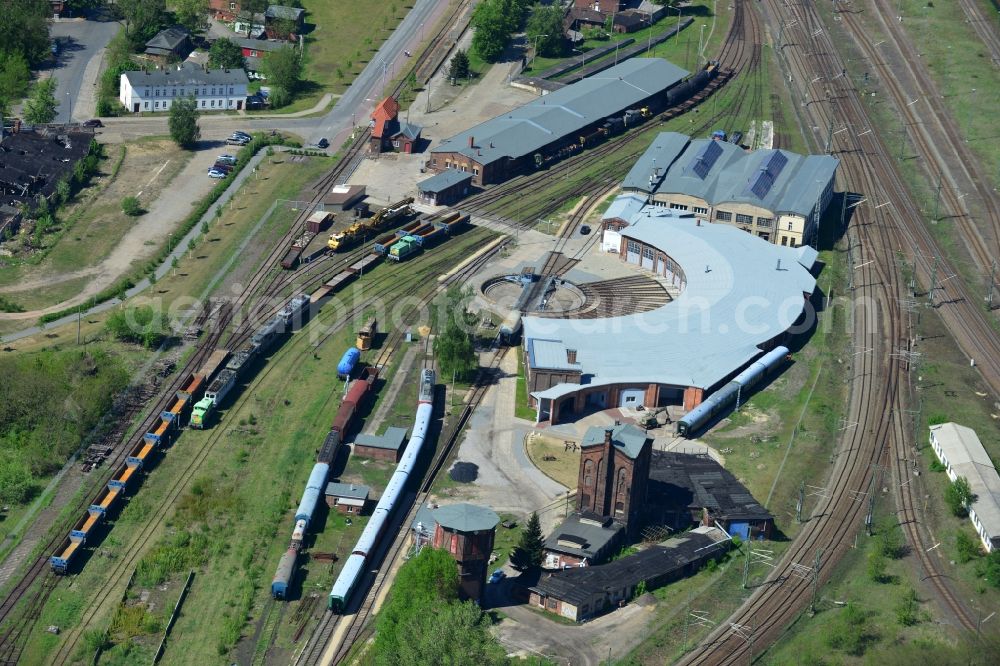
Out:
{"x": 389, "y": 133}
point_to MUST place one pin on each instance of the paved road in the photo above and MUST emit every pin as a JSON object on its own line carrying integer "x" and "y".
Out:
{"x": 80, "y": 43}
{"x": 352, "y": 108}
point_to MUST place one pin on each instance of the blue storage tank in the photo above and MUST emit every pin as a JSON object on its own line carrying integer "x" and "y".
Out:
{"x": 347, "y": 362}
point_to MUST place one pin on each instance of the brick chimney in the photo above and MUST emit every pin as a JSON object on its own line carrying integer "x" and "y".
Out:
{"x": 571, "y": 356}
{"x": 607, "y": 436}
{"x": 472, "y": 142}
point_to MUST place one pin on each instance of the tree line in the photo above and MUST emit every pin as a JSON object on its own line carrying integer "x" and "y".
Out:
{"x": 496, "y": 21}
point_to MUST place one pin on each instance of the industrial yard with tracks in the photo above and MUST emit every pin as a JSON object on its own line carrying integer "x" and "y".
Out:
{"x": 683, "y": 351}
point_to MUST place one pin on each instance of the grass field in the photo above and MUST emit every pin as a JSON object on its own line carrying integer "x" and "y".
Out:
{"x": 343, "y": 38}
{"x": 549, "y": 454}
{"x": 283, "y": 180}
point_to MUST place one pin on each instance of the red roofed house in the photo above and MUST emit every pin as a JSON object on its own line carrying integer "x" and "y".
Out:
{"x": 225, "y": 10}
{"x": 389, "y": 133}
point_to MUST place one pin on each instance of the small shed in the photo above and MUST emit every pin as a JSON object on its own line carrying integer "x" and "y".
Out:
{"x": 405, "y": 137}
{"x": 169, "y": 43}
{"x": 630, "y": 21}
{"x": 388, "y": 446}
{"x": 445, "y": 188}
{"x": 347, "y": 497}
{"x": 342, "y": 197}
{"x": 281, "y": 22}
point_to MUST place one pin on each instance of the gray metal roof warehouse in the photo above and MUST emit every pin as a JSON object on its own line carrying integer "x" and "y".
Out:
{"x": 722, "y": 172}
{"x": 538, "y": 123}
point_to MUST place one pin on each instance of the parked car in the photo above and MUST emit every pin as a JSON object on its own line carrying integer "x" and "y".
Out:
{"x": 237, "y": 141}
{"x": 242, "y": 134}
{"x": 223, "y": 167}
{"x": 93, "y": 122}
{"x": 216, "y": 173}
{"x": 497, "y": 576}
{"x": 256, "y": 101}
{"x": 226, "y": 159}
{"x": 584, "y": 230}
{"x": 323, "y": 143}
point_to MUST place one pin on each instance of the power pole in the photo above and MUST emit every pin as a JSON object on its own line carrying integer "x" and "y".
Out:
{"x": 746, "y": 564}
{"x": 817, "y": 563}
{"x": 800, "y": 502}
{"x": 989, "y": 294}
{"x": 937, "y": 198}
{"x": 829, "y": 138}
{"x": 933, "y": 285}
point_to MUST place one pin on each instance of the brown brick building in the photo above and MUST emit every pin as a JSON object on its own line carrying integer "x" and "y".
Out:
{"x": 388, "y": 446}
{"x": 467, "y": 532}
{"x": 607, "y": 7}
{"x": 614, "y": 469}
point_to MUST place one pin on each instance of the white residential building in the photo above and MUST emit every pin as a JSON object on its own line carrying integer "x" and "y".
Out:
{"x": 213, "y": 90}
{"x": 960, "y": 451}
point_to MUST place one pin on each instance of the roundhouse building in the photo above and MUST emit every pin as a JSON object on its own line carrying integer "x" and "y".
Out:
{"x": 515, "y": 142}
{"x": 738, "y": 297}
{"x": 775, "y": 194}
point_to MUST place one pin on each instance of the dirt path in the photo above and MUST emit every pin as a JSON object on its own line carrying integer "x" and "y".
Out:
{"x": 166, "y": 212}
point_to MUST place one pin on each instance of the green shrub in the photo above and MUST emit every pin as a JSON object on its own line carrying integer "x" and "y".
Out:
{"x": 849, "y": 632}
{"x": 966, "y": 547}
{"x": 907, "y": 610}
{"x": 132, "y": 207}
{"x": 958, "y": 496}
{"x": 140, "y": 325}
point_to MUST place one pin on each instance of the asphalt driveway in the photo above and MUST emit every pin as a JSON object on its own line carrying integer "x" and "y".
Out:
{"x": 77, "y": 66}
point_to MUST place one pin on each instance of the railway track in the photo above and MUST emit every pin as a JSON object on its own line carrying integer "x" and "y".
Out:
{"x": 319, "y": 640}
{"x": 282, "y": 358}
{"x": 944, "y": 152}
{"x": 358, "y": 621}
{"x": 983, "y": 25}
{"x": 13, "y": 639}
{"x": 877, "y": 387}
{"x": 740, "y": 58}
{"x": 14, "y": 636}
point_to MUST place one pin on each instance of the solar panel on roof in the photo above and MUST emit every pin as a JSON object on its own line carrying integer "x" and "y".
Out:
{"x": 705, "y": 159}
{"x": 769, "y": 171}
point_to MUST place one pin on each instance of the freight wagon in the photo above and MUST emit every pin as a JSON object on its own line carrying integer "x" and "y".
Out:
{"x": 169, "y": 424}
{"x": 107, "y": 498}
{"x": 347, "y": 362}
{"x": 366, "y": 335}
